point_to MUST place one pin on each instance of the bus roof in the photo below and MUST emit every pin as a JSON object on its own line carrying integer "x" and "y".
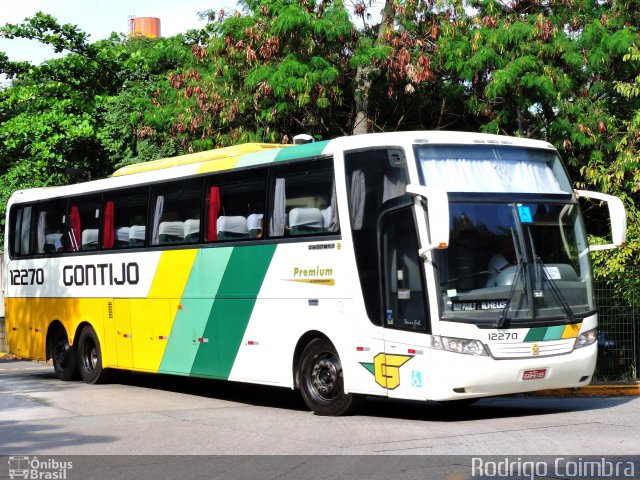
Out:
{"x": 253, "y": 154}
{"x": 247, "y": 154}
{"x": 227, "y": 154}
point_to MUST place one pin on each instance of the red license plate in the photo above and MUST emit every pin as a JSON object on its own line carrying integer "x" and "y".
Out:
{"x": 534, "y": 374}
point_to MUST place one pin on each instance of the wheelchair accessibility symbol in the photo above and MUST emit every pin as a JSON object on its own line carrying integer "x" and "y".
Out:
{"x": 416, "y": 378}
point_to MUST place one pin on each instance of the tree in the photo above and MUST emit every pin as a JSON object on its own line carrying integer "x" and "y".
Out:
{"x": 557, "y": 71}
{"x": 67, "y": 113}
{"x": 48, "y": 116}
{"x": 280, "y": 69}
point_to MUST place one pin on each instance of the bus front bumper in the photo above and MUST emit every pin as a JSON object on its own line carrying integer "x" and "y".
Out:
{"x": 456, "y": 376}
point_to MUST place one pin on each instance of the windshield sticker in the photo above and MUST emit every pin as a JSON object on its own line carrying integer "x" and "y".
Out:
{"x": 553, "y": 273}
{"x": 525, "y": 214}
{"x": 404, "y": 294}
{"x": 479, "y": 305}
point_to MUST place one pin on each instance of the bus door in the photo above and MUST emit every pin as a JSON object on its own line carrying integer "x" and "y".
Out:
{"x": 150, "y": 327}
{"x": 404, "y": 302}
{"x": 121, "y": 315}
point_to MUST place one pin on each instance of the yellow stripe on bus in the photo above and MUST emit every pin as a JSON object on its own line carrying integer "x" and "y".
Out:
{"x": 28, "y": 321}
{"x": 152, "y": 317}
{"x": 172, "y": 273}
{"x": 571, "y": 331}
{"x": 219, "y": 165}
{"x": 217, "y": 157}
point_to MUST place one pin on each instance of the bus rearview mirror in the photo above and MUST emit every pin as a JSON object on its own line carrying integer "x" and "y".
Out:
{"x": 437, "y": 214}
{"x": 617, "y": 218}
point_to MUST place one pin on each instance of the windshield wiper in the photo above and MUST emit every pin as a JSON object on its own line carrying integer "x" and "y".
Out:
{"x": 552, "y": 283}
{"x": 503, "y": 316}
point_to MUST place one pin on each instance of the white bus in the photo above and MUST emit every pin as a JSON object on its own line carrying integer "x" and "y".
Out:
{"x": 415, "y": 265}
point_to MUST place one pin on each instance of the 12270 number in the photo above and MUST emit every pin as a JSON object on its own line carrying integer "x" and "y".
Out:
{"x": 27, "y": 276}
{"x": 503, "y": 336}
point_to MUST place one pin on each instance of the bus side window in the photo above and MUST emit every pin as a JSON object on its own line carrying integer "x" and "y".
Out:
{"x": 21, "y": 231}
{"x": 176, "y": 211}
{"x": 125, "y": 213}
{"x": 235, "y": 207}
{"x": 84, "y": 223}
{"x": 51, "y": 219}
{"x": 304, "y": 200}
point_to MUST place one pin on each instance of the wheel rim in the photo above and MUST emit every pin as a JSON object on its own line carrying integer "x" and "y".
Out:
{"x": 93, "y": 359}
{"x": 325, "y": 376}
{"x": 90, "y": 356}
{"x": 61, "y": 353}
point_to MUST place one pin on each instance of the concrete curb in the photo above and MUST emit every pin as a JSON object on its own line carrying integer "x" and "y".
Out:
{"x": 614, "y": 390}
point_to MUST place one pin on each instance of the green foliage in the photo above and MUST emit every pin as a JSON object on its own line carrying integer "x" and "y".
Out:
{"x": 280, "y": 69}
{"x": 75, "y": 112}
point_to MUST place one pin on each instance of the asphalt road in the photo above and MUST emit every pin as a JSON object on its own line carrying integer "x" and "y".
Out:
{"x": 162, "y": 415}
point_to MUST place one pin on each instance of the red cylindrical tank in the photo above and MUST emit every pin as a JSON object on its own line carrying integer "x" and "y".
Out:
{"x": 145, "y": 27}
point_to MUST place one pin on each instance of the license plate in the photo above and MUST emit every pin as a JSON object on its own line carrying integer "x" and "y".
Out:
{"x": 534, "y": 374}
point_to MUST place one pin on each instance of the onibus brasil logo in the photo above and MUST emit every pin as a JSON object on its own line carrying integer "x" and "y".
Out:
{"x": 33, "y": 468}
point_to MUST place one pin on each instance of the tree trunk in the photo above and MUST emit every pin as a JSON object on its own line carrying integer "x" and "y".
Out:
{"x": 363, "y": 85}
{"x": 365, "y": 76}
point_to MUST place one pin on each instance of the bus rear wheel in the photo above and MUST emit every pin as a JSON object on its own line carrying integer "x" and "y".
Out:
{"x": 321, "y": 381}
{"x": 90, "y": 357}
{"x": 64, "y": 357}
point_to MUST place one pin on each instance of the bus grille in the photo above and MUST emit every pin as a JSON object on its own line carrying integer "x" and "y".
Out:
{"x": 529, "y": 349}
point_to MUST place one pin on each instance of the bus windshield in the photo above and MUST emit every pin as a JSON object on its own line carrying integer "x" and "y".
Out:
{"x": 515, "y": 261}
{"x": 518, "y": 250}
{"x": 491, "y": 168}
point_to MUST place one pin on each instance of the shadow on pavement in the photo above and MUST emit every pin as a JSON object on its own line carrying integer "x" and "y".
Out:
{"x": 42, "y": 379}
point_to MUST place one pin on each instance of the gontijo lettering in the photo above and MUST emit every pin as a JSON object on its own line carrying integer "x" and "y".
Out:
{"x": 101, "y": 274}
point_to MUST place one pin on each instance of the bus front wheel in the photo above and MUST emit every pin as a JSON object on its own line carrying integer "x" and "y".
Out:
{"x": 90, "y": 357}
{"x": 321, "y": 381}
{"x": 64, "y": 357}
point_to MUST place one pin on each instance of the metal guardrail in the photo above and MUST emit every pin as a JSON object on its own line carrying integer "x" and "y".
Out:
{"x": 617, "y": 299}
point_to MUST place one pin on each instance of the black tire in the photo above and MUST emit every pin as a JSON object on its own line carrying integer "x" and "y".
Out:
{"x": 90, "y": 357}
{"x": 64, "y": 357}
{"x": 321, "y": 382}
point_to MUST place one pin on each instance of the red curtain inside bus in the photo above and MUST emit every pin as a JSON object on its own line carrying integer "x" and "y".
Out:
{"x": 74, "y": 230}
{"x": 109, "y": 234}
{"x": 214, "y": 211}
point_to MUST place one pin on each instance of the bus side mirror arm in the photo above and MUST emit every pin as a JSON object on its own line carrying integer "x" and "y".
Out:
{"x": 438, "y": 214}
{"x": 617, "y": 218}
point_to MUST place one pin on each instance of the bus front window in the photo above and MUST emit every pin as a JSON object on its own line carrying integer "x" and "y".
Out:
{"x": 509, "y": 262}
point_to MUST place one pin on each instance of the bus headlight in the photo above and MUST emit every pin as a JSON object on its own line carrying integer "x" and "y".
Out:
{"x": 458, "y": 345}
{"x": 587, "y": 338}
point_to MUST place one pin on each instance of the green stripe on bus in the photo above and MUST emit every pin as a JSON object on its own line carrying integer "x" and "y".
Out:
{"x": 554, "y": 333}
{"x": 190, "y": 322}
{"x": 257, "y": 158}
{"x": 536, "y": 334}
{"x": 188, "y": 328}
{"x": 301, "y": 151}
{"x": 228, "y": 319}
